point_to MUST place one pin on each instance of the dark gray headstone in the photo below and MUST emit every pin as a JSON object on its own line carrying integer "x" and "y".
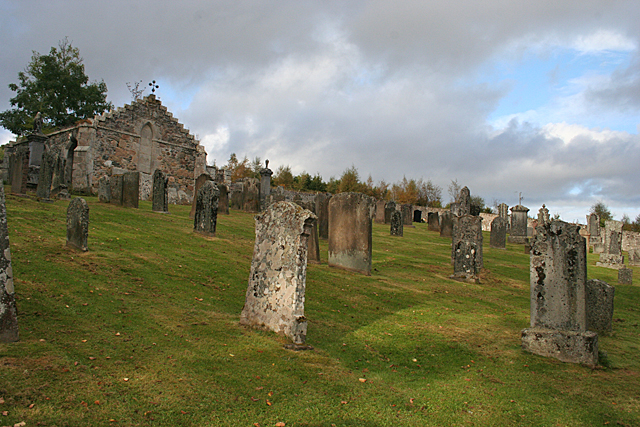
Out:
{"x": 498, "y": 235}
{"x": 116, "y": 183}
{"x": 8, "y": 310}
{"x": 434, "y": 221}
{"x": 130, "y": 189}
{"x": 407, "y": 215}
{"x": 389, "y": 208}
{"x": 223, "y": 202}
{"x": 417, "y": 216}
{"x": 78, "y": 224}
{"x": 397, "y": 225}
{"x": 599, "y": 296}
{"x": 206, "y": 216}
{"x": 104, "y": 189}
{"x": 465, "y": 266}
{"x": 199, "y": 181}
{"x": 625, "y": 276}
{"x": 160, "y": 198}
{"x": 446, "y": 224}
{"x": 45, "y": 176}
{"x": 322, "y": 211}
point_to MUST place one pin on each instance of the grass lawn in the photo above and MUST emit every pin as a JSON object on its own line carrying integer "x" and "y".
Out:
{"x": 143, "y": 330}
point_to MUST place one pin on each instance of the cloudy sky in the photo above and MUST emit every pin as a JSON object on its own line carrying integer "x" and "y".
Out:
{"x": 505, "y": 96}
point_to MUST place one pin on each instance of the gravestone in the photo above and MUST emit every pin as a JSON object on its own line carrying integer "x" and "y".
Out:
{"x": 160, "y": 198}
{"x": 130, "y": 189}
{"x": 389, "y": 208}
{"x": 455, "y": 209}
{"x": 543, "y": 215}
{"x": 223, "y": 201}
{"x": 380, "y": 211}
{"x": 498, "y": 236}
{"x": 397, "y": 225}
{"x": 276, "y": 291}
{"x": 251, "y": 195}
{"x": 465, "y": 267}
{"x": 625, "y": 276}
{"x": 322, "y": 211}
{"x": 350, "y": 239}
{"x": 446, "y": 224}
{"x": 20, "y": 171}
{"x": 558, "y": 271}
{"x": 206, "y": 216}
{"x": 265, "y": 186}
{"x": 464, "y": 202}
{"x": 611, "y": 256}
{"x": 313, "y": 244}
{"x": 45, "y": 176}
{"x": 407, "y": 215}
{"x": 593, "y": 223}
{"x": 433, "y": 220}
{"x": 199, "y": 181}
{"x": 518, "y": 233}
{"x": 599, "y": 303}
{"x": 104, "y": 189}
{"x": 634, "y": 257}
{"x": 116, "y": 183}
{"x": 468, "y": 228}
{"x": 503, "y": 211}
{"x": 78, "y": 224}
{"x": 8, "y": 310}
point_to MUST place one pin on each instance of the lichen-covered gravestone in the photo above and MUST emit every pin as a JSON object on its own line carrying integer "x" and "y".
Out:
{"x": 625, "y": 276}
{"x": 518, "y": 233}
{"x": 446, "y": 224}
{"x": 498, "y": 236}
{"x": 558, "y": 272}
{"x": 206, "y": 216}
{"x": 199, "y": 181}
{"x": 160, "y": 197}
{"x": 313, "y": 244}
{"x": 433, "y": 219}
{"x": 389, "y": 208}
{"x": 599, "y": 296}
{"x": 104, "y": 189}
{"x": 468, "y": 228}
{"x": 464, "y": 202}
{"x": 611, "y": 256}
{"x": 397, "y": 225}
{"x": 116, "y": 182}
{"x": 130, "y": 189}
{"x": 275, "y": 295}
{"x": 8, "y": 311}
{"x": 350, "y": 239}
{"x": 45, "y": 176}
{"x": 223, "y": 201}
{"x": 78, "y": 224}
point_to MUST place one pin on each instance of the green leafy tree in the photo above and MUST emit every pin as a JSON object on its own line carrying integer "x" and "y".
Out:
{"x": 56, "y": 86}
{"x": 600, "y": 209}
{"x": 350, "y": 181}
{"x": 283, "y": 177}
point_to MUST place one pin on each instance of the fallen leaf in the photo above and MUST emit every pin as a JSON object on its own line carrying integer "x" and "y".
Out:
{"x": 362, "y": 380}
{"x": 270, "y": 393}
{"x": 1, "y": 400}
{"x": 111, "y": 420}
{"x": 92, "y": 358}
{"x": 83, "y": 403}
{"x": 32, "y": 405}
{"x": 5, "y": 413}
{"x": 20, "y": 424}
{"x": 97, "y": 402}
{"x": 411, "y": 400}
{"x": 280, "y": 424}
{"x": 268, "y": 403}
{"x": 117, "y": 334}
{"x": 183, "y": 412}
{"x": 125, "y": 379}
{"x": 84, "y": 340}
{"x": 254, "y": 399}
{"x": 344, "y": 402}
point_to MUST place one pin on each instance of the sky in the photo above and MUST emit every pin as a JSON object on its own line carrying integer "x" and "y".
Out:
{"x": 510, "y": 98}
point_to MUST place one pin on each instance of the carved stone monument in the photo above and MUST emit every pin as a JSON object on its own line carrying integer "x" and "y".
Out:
{"x": 223, "y": 201}
{"x": 160, "y": 199}
{"x": 276, "y": 292}
{"x": 78, "y": 224}
{"x": 599, "y": 296}
{"x": 265, "y": 185}
{"x": 104, "y": 189}
{"x": 389, "y": 208}
{"x": 498, "y": 236}
{"x": 8, "y": 310}
{"x": 434, "y": 221}
{"x": 611, "y": 256}
{"x": 130, "y": 189}
{"x": 116, "y": 183}
{"x": 503, "y": 211}
{"x": 518, "y": 233}
{"x": 625, "y": 276}
{"x": 199, "y": 181}
{"x": 206, "y": 216}
{"x": 466, "y": 248}
{"x": 380, "y": 211}
{"x": 407, "y": 215}
{"x": 446, "y": 224}
{"x": 543, "y": 215}
{"x": 397, "y": 225}
{"x": 464, "y": 202}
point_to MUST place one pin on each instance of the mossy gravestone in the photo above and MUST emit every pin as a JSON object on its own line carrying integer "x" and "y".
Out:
{"x": 78, "y": 224}
{"x": 206, "y": 215}
{"x": 8, "y": 311}
{"x": 397, "y": 225}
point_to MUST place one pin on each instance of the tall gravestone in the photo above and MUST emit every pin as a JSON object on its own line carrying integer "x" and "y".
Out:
{"x": 407, "y": 215}
{"x": 503, "y": 211}
{"x": 223, "y": 201}
{"x": 265, "y": 186}
{"x": 313, "y": 243}
{"x": 543, "y": 215}
{"x": 599, "y": 295}
{"x": 389, "y": 208}
{"x": 518, "y": 233}
{"x": 434, "y": 221}
{"x": 276, "y": 291}
{"x": 19, "y": 171}
{"x": 611, "y": 256}
{"x": 8, "y": 310}
{"x": 593, "y": 223}
{"x": 116, "y": 184}
{"x": 45, "y": 176}
{"x": 130, "y": 189}
{"x": 322, "y": 211}
{"x": 558, "y": 271}
{"x": 104, "y": 189}
{"x": 380, "y": 211}
{"x": 464, "y": 202}
{"x": 446, "y": 224}
{"x": 634, "y": 257}
{"x": 498, "y": 236}
{"x": 78, "y": 224}
{"x": 160, "y": 198}
{"x": 251, "y": 195}
{"x": 206, "y": 216}
{"x": 350, "y": 239}
{"x": 198, "y": 184}
{"x": 397, "y": 225}
{"x": 466, "y": 247}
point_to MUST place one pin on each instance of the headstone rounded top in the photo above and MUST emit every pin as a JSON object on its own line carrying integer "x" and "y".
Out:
{"x": 519, "y": 208}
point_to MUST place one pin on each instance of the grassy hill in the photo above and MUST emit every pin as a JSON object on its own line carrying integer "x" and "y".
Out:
{"x": 143, "y": 330}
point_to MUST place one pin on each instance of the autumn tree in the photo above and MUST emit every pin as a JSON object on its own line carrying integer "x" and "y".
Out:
{"x": 283, "y": 177}
{"x": 56, "y": 86}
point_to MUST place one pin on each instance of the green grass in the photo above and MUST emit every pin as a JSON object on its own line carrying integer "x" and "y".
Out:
{"x": 156, "y": 304}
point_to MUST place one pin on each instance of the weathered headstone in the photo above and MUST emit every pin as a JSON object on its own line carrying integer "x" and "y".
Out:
{"x": 455, "y": 209}
{"x": 223, "y": 201}
{"x": 206, "y": 216}
{"x": 276, "y": 292}
{"x": 199, "y": 181}
{"x": 313, "y": 243}
{"x": 116, "y": 183}
{"x": 160, "y": 198}
{"x": 78, "y": 224}
{"x": 8, "y": 310}
{"x": 465, "y": 267}
{"x": 468, "y": 228}
{"x": 593, "y": 222}
{"x": 130, "y": 189}
{"x": 45, "y": 177}
{"x": 518, "y": 233}
{"x": 599, "y": 303}
{"x": 251, "y": 195}
{"x": 265, "y": 185}
{"x": 503, "y": 211}
{"x": 558, "y": 271}
{"x": 634, "y": 257}
{"x": 350, "y": 239}
{"x": 407, "y": 215}
{"x": 434, "y": 221}
{"x": 322, "y": 211}
{"x": 397, "y": 225}
{"x": 464, "y": 202}
{"x": 20, "y": 171}
{"x": 380, "y": 211}
{"x": 389, "y": 208}
{"x": 104, "y": 189}
{"x": 446, "y": 224}
{"x": 625, "y": 276}
{"x": 498, "y": 236}
{"x": 543, "y": 215}
{"x": 611, "y": 256}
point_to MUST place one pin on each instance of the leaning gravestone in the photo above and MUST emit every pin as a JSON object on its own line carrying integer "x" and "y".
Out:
{"x": 468, "y": 228}
{"x": 116, "y": 182}
{"x": 160, "y": 198}
{"x": 397, "y": 225}
{"x": 498, "y": 235}
{"x": 78, "y": 224}
{"x": 558, "y": 271}
{"x": 518, "y": 233}
{"x": 389, "y": 208}
{"x": 599, "y": 296}
{"x": 434, "y": 221}
{"x": 276, "y": 291}
{"x": 130, "y": 189}
{"x": 625, "y": 276}
{"x": 611, "y": 256}
{"x": 104, "y": 189}
{"x": 206, "y": 216}
{"x": 350, "y": 239}
{"x": 446, "y": 224}
{"x": 8, "y": 310}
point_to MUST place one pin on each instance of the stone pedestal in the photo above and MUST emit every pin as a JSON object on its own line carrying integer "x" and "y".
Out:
{"x": 566, "y": 346}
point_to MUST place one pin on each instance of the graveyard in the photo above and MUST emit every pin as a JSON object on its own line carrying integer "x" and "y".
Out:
{"x": 143, "y": 329}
